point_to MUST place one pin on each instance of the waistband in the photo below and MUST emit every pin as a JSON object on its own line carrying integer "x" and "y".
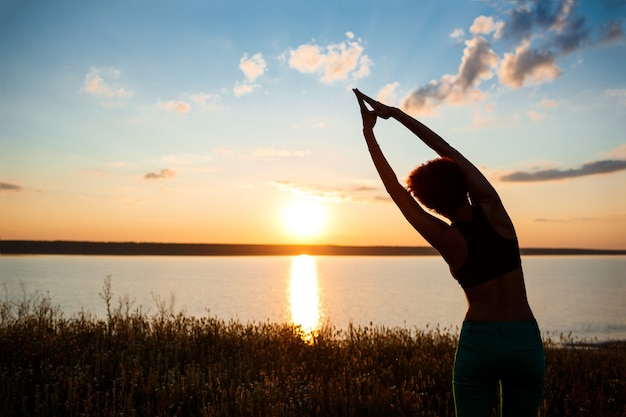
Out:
{"x": 501, "y": 327}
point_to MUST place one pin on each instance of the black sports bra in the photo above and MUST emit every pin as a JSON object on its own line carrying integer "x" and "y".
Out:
{"x": 489, "y": 254}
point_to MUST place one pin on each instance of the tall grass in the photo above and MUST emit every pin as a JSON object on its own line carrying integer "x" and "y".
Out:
{"x": 169, "y": 364}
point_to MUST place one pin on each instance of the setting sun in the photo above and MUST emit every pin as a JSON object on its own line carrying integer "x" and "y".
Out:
{"x": 304, "y": 218}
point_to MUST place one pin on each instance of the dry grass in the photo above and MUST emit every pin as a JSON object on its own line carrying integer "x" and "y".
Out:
{"x": 131, "y": 364}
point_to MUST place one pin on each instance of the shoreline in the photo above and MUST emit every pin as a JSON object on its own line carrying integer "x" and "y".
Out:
{"x": 65, "y": 247}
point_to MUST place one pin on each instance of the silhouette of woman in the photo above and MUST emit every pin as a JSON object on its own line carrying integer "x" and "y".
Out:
{"x": 500, "y": 344}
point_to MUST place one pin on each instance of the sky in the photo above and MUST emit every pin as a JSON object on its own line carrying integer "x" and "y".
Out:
{"x": 206, "y": 122}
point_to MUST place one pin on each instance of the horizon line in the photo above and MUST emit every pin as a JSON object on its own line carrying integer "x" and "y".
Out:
{"x": 86, "y": 247}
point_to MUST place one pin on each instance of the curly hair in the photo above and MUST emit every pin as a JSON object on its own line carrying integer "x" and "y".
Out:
{"x": 439, "y": 185}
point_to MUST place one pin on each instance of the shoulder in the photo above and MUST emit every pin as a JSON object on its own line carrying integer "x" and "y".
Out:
{"x": 498, "y": 218}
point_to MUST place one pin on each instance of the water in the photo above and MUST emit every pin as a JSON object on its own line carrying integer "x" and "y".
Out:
{"x": 583, "y": 295}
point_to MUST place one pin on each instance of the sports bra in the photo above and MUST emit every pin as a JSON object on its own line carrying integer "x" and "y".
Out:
{"x": 489, "y": 254}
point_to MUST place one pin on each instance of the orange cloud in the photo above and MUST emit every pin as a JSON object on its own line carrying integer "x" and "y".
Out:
{"x": 477, "y": 64}
{"x": 95, "y": 83}
{"x": 528, "y": 65}
{"x": 175, "y": 106}
{"x": 252, "y": 67}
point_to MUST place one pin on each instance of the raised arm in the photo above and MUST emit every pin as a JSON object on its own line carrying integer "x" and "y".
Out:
{"x": 480, "y": 188}
{"x": 431, "y": 228}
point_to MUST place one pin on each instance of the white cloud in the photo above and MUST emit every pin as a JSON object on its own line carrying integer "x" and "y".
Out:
{"x": 457, "y": 35}
{"x": 334, "y": 62}
{"x": 102, "y": 82}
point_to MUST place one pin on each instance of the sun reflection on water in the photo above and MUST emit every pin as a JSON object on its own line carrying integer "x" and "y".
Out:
{"x": 304, "y": 294}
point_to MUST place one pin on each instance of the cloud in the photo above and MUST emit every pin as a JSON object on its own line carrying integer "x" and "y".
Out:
{"x": 177, "y": 106}
{"x": 388, "y": 93}
{"x": 164, "y": 174}
{"x": 617, "y": 93}
{"x": 548, "y": 103}
{"x": 335, "y": 62}
{"x": 102, "y": 82}
{"x": 5, "y": 186}
{"x": 618, "y": 153}
{"x": 457, "y": 35}
{"x": 536, "y": 116}
{"x": 209, "y": 101}
{"x": 243, "y": 89}
{"x": 611, "y": 32}
{"x": 309, "y": 191}
{"x": 525, "y": 19}
{"x": 355, "y": 194}
{"x": 571, "y": 35}
{"x": 484, "y": 25}
{"x": 252, "y": 67}
{"x": 528, "y": 64}
{"x": 534, "y": 34}
{"x": 591, "y": 168}
{"x": 565, "y": 219}
{"x": 559, "y": 28}
{"x": 477, "y": 64}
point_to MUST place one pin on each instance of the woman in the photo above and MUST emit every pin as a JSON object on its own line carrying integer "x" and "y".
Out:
{"x": 500, "y": 343}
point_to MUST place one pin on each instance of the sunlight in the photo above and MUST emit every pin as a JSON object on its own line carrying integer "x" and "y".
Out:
{"x": 304, "y": 294}
{"x": 304, "y": 218}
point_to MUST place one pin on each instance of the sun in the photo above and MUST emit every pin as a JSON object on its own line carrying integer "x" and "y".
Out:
{"x": 304, "y": 218}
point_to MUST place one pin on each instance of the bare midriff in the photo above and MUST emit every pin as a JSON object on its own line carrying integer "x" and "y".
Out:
{"x": 501, "y": 299}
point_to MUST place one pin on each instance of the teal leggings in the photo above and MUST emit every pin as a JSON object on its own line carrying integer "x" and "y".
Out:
{"x": 504, "y": 355}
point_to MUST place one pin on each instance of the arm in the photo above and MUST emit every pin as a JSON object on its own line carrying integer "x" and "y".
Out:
{"x": 480, "y": 189}
{"x": 430, "y": 227}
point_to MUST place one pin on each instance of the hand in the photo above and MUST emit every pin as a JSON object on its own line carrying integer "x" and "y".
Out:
{"x": 379, "y": 108}
{"x": 369, "y": 116}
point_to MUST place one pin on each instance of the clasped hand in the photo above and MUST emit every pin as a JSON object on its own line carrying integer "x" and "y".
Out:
{"x": 370, "y": 116}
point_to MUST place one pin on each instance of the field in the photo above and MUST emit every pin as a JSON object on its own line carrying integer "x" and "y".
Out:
{"x": 168, "y": 364}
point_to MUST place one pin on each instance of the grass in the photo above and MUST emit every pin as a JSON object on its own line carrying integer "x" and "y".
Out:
{"x": 167, "y": 364}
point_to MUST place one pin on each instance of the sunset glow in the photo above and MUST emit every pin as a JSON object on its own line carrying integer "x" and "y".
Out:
{"x": 304, "y": 218}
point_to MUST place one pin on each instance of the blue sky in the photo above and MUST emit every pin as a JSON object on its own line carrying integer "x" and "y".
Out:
{"x": 201, "y": 121}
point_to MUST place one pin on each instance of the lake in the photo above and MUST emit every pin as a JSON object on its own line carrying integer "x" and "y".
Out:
{"x": 581, "y": 295}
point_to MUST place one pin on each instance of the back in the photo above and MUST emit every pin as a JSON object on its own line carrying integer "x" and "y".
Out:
{"x": 489, "y": 254}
